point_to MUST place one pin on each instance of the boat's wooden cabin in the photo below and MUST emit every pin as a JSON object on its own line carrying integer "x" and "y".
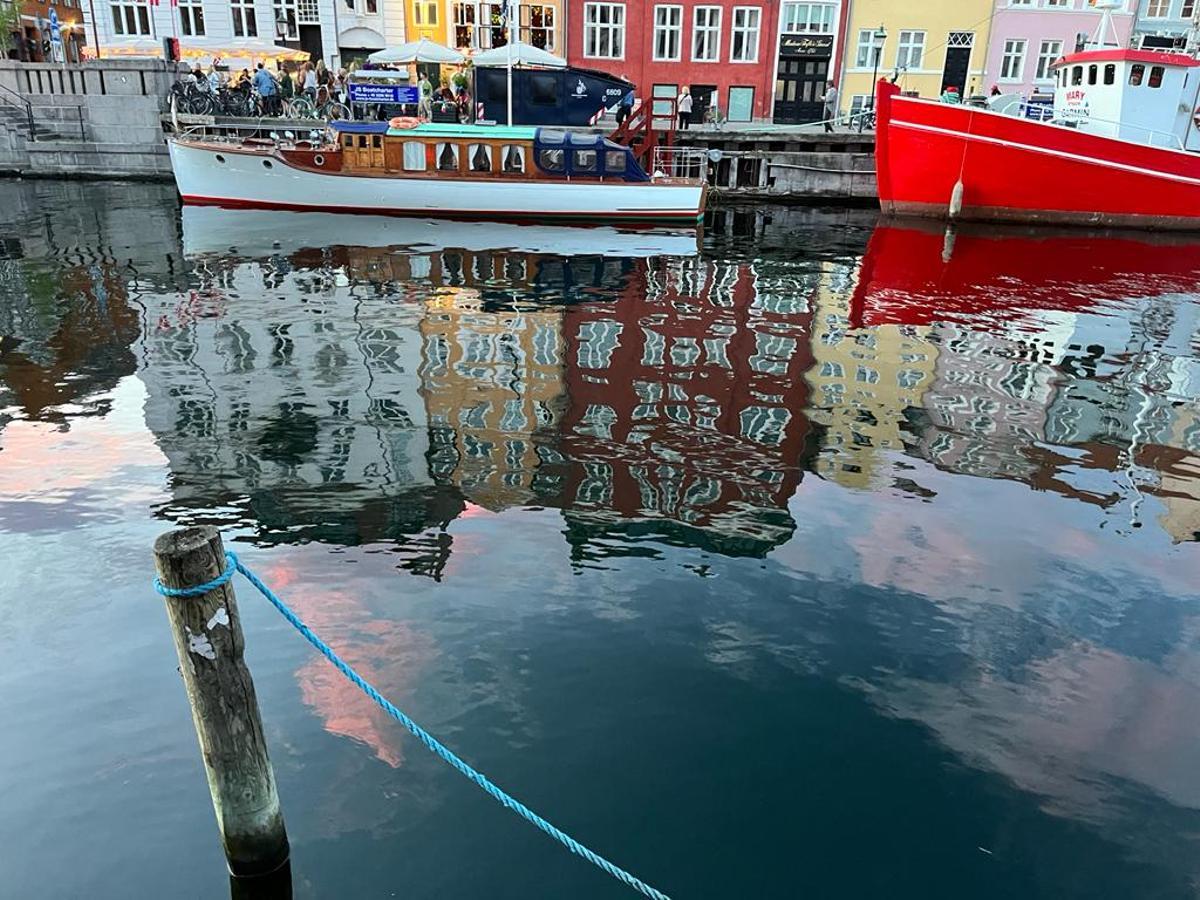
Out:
{"x": 431, "y": 150}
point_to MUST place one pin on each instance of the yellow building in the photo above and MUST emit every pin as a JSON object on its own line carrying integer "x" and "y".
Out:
{"x": 925, "y": 45}
{"x": 471, "y": 25}
{"x": 861, "y": 382}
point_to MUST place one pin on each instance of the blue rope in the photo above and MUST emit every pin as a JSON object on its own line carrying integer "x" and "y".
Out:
{"x": 233, "y": 564}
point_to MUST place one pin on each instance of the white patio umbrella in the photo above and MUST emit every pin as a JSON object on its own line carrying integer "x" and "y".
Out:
{"x": 422, "y": 51}
{"x": 520, "y": 54}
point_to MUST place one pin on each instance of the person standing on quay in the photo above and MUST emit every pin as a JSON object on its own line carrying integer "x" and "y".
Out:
{"x": 264, "y": 83}
{"x": 683, "y": 103}
{"x": 425, "y": 95}
{"x": 625, "y": 107}
{"x": 831, "y": 106}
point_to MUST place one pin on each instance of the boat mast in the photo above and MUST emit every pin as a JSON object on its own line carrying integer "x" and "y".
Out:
{"x": 1105, "y": 28}
{"x": 509, "y": 7}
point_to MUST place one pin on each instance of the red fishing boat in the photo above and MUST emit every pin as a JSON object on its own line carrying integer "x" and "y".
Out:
{"x": 1117, "y": 149}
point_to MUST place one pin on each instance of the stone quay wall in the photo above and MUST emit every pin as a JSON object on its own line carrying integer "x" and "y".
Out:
{"x": 100, "y": 118}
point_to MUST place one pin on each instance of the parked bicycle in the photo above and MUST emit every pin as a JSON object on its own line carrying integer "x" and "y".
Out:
{"x": 187, "y": 98}
{"x": 323, "y": 105}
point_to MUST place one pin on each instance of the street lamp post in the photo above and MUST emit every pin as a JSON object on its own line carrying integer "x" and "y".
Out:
{"x": 877, "y": 40}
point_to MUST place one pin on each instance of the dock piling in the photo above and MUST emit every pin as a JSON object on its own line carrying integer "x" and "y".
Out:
{"x": 220, "y": 691}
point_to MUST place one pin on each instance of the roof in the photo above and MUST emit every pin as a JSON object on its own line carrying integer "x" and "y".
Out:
{"x": 450, "y": 130}
{"x": 1150, "y": 57}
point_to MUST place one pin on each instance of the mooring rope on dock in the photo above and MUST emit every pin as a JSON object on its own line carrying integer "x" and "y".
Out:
{"x": 233, "y": 564}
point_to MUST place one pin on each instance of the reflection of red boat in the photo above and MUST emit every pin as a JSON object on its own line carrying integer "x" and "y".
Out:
{"x": 917, "y": 273}
{"x": 1114, "y": 154}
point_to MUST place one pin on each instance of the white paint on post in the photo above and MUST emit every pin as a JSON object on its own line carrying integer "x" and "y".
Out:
{"x": 201, "y": 645}
{"x": 220, "y": 617}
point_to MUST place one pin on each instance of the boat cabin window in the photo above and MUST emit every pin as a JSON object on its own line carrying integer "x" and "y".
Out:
{"x": 447, "y": 157}
{"x": 551, "y": 160}
{"x": 480, "y": 156}
{"x": 513, "y": 159}
{"x": 614, "y": 162}
{"x": 1110, "y": 73}
{"x": 1156, "y": 76}
{"x": 585, "y": 161}
{"x": 1136, "y": 73}
{"x": 1093, "y": 72}
{"x": 414, "y": 156}
{"x": 348, "y": 141}
{"x": 1077, "y": 75}
{"x": 362, "y": 142}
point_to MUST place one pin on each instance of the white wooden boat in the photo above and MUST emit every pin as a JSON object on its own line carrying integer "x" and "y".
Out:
{"x": 458, "y": 171}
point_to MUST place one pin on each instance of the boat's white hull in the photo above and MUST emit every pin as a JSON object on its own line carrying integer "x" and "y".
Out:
{"x": 208, "y": 174}
{"x": 259, "y": 232}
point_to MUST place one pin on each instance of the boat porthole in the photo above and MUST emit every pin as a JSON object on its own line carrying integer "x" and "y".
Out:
{"x": 318, "y": 160}
{"x": 267, "y": 164}
{"x": 220, "y": 158}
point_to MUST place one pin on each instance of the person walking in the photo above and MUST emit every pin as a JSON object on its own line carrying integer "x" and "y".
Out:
{"x": 625, "y": 107}
{"x": 310, "y": 82}
{"x": 683, "y": 104}
{"x": 830, "y": 109}
{"x": 287, "y": 87}
{"x": 425, "y": 103}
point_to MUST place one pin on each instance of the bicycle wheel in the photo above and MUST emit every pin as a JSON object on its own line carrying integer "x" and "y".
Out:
{"x": 300, "y": 108}
{"x": 334, "y": 112}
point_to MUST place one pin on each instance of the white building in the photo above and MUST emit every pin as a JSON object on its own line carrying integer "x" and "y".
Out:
{"x": 241, "y": 32}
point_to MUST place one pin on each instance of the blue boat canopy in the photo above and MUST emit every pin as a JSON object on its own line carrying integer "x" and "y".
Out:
{"x": 569, "y": 153}
{"x": 359, "y": 127}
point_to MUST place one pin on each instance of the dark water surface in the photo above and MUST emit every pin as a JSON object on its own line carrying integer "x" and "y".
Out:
{"x": 817, "y": 560}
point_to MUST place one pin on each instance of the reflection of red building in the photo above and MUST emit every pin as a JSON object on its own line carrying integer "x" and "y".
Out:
{"x": 686, "y": 405}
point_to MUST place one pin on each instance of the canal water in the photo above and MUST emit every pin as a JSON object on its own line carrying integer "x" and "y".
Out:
{"x": 815, "y": 558}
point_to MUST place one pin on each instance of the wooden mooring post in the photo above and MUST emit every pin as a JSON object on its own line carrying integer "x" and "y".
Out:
{"x": 208, "y": 639}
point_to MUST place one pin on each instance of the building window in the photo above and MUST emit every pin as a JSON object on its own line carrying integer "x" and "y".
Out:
{"x": 808, "y": 18}
{"x": 1012, "y": 63}
{"x": 425, "y": 13}
{"x": 537, "y": 26}
{"x": 864, "y": 55}
{"x": 245, "y": 24}
{"x": 910, "y": 50}
{"x": 743, "y": 40}
{"x": 285, "y": 10}
{"x": 1188, "y": 9}
{"x": 309, "y": 12}
{"x": 604, "y": 30}
{"x": 464, "y": 25}
{"x": 706, "y": 34}
{"x": 1048, "y": 52}
{"x": 191, "y": 18}
{"x": 131, "y": 18}
{"x": 1158, "y": 9}
{"x": 668, "y": 33}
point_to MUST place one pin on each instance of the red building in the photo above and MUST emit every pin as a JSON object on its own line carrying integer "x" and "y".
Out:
{"x": 723, "y": 50}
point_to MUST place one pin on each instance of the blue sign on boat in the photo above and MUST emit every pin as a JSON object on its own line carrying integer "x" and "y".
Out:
{"x": 383, "y": 93}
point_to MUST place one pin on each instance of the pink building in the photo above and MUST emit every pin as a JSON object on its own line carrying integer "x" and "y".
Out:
{"x": 1028, "y": 35}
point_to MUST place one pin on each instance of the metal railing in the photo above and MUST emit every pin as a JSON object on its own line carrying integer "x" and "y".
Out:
{"x": 1171, "y": 141}
{"x": 680, "y": 162}
{"x": 7, "y": 96}
{"x": 274, "y": 130}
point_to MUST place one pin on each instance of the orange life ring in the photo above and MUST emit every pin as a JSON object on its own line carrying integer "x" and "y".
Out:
{"x": 404, "y": 122}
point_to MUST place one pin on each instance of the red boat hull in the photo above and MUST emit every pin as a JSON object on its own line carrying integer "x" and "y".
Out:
{"x": 1018, "y": 170}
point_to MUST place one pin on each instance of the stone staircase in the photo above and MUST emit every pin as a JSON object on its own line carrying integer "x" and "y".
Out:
{"x": 15, "y": 121}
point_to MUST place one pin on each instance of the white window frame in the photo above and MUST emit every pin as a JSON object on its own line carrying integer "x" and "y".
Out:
{"x": 668, "y": 25}
{"x": 1012, "y": 61}
{"x": 188, "y": 18}
{"x": 1163, "y": 8}
{"x": 549, "y": 31}
{"x": 129, "y": 16}
{"x": 807, "y": 18}
{"x": 910, "y": 46}
{"x": 291, "y": 12}
{"x": 1187, "y": 9}
{"x": 750, "y": 33}
{"x": 600, "y": 21}
{"x": 242, "y": 13}
{"x": 1048, "y": 52}
{"x": 867, "y": 43}
{"x": 706, "y": 36}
